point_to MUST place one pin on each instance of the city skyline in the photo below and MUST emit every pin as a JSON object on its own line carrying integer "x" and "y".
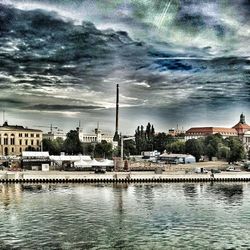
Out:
{"x": 177, "y": 62}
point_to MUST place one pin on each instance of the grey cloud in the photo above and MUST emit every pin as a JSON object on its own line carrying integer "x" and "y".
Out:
{"x": 48, "y": 107}
{"x": 44, "y": 57}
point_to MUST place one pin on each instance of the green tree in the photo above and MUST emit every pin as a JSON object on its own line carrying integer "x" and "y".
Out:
{"x": 54, "y": 147}
{"x": 129, "y": 147}
{"x": 72, "y": 144}
{"x": 195, "y": 148}
{"x": 211, "y": 144}
{"x": 88, "y": 148}
{"x": 236, "y": 152}
{"x": 177, "y": 147}
{"x": 223, "y": 152}
{"x": 103, "y": 150}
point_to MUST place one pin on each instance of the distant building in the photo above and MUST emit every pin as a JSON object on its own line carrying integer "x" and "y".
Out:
{"x": 240, "y": 130}
{"x": 243, "y": 130}
{"x": 96, "y": 137}
{"x": 54, "y": 136}
{"x": 176, "y": 131}
{"x": 177, "y": 158}
{"x": 15, "y": 139}
{"x": 199, "y": 132}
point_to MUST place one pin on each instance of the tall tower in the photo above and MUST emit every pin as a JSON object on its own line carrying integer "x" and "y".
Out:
{"x": 116, "y": 136}
{"x": 242, "y": 119}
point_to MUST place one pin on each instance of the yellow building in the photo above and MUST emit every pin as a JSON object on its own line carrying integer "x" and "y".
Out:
{"x": 16, "y": 139}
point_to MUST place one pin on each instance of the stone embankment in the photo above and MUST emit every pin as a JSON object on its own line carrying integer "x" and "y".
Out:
{"x": 121, "y": 177}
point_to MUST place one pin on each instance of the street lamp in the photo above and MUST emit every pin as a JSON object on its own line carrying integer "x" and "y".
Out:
{"x": 125, "y": 139}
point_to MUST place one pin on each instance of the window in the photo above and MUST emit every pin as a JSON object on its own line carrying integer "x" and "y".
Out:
{"x": 12, "y": 141}
{"x": 12, "y": 150}
{"x": 20, "y": 142}
{"x": 26, "y": 142}
{"x": 37, "y": 135}
{"x": 20, "y": 135}
{"x": 37, "y": 142}
{"x": 26, "y": 135}
{"x": 20, "y": 150}
{"x": 5, "y": 141}
{"x": 32, "y": 142}
{"x": 31, "y": 135}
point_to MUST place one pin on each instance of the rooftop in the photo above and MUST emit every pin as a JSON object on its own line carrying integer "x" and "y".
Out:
{"x": 211, "y": 130}
{"x": 7, "y": 127}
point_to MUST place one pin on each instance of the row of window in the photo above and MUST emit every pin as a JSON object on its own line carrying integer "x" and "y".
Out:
{"x": 23, "y": 135}
{"x": 13, "y": 150}
{"x": 26, "y": 142}
{"x": 203, "y": 133}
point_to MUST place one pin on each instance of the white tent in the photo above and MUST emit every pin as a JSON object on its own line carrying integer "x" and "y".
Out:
{"x": 104, "y": 163}
{"x": 83, "y": 164}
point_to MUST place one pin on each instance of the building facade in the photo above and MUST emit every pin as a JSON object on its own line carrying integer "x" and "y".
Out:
{"x": 202, "y": 132}
{"x": 240, "y": 130}
{"x": 15, "y": 139}
{"x": 97, "y": 137}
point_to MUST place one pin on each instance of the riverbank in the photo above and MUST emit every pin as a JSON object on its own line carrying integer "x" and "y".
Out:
{"x": 126, "y": 177}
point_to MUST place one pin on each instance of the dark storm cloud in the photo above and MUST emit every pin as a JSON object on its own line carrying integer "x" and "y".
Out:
{"x": 47, "y": 58}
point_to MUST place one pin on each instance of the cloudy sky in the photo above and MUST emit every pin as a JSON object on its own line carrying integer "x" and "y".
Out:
{"x": 180, "y": 62}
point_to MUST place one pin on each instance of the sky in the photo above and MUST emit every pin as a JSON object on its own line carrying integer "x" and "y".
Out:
{"x": 184, "y": 62}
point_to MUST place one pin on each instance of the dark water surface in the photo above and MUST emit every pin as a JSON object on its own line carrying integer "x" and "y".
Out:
{"x": 134, "y": 216}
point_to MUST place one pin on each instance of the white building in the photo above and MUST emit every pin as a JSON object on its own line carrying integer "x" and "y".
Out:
{"x": 96, "y": 137}
{"x": 54, "y": 136}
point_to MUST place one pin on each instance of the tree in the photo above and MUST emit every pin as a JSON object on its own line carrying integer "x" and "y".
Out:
{"x": 211, "y": 144}
{"x": 103, "y": 150}
{"x": 54, "y": 147}
{"x": 72, "y": 144}
{"x": 161, "y": 140}
{"x": 177, "y": 147}
{"x": 195, "y": 148}
{"x": 236, "y": 152}
{"x": 88, "y": 148}
{"x": 144, "y": 139}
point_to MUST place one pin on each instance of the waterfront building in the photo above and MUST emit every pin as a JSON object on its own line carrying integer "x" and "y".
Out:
{"x": 15, "y": 139}
{"x": 32, "y": 160}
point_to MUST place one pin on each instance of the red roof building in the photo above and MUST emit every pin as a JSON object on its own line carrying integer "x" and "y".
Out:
{"x": 241, "y": 126}
{"x": 241, "y": 130}
{"x": 198, "y": 132}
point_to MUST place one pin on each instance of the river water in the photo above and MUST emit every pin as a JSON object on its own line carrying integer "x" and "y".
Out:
{"x": 133, "y": 216}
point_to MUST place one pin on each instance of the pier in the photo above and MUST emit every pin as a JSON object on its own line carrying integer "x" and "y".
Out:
{"x": 118, "y": 177}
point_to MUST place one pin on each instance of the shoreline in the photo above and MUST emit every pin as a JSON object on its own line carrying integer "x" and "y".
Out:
{"x": 118, "y": 177}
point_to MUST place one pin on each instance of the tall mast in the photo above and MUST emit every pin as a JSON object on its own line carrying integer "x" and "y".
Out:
{"x": 116, "y": 136}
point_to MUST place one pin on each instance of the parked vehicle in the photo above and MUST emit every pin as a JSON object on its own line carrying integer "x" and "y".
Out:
{"x": 100, "y": 170}
{"x": 201, "y": 171}
{"x": 215, "y": 170}
{"x": 233, "y": 169}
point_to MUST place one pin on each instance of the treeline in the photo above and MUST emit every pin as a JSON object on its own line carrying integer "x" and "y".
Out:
{"x": 73, "y": 146}
{"x": 230, "y": 149}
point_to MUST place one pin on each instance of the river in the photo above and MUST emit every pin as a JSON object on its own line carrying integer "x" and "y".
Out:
{"x": 125, "y": 216}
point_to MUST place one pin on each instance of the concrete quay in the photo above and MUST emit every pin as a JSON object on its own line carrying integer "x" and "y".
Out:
{"x": 120, "y": 177}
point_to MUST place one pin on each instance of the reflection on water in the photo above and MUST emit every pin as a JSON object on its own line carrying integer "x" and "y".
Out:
{"x": 122, "y": 216}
